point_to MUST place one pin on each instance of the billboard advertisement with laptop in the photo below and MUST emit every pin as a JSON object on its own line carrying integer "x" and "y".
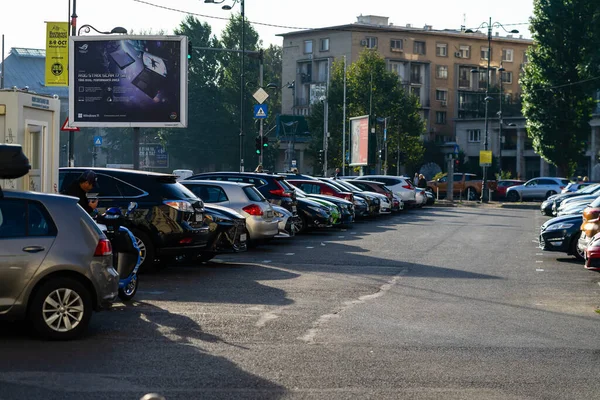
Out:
{"x": 128, "y": 81}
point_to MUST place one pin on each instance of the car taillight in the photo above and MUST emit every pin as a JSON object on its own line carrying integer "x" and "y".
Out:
{"x": 349, "y": 197}
{"x": 280, "y": 192}
{"x": 253, "y": 209}
{"x": 407, "y": 186}
{"x": 180, "y": 205}
{"x": 103, "y": 248}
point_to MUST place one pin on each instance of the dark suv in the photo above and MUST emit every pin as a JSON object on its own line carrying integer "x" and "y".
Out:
{"x": 273, "y": 187}
{"x": 169, "y": 220}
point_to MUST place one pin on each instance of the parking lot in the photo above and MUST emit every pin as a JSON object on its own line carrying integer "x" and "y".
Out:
{"x": 430, "y": 303}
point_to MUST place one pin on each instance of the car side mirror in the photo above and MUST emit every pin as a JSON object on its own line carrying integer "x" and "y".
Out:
{"x": 132, "y": 206}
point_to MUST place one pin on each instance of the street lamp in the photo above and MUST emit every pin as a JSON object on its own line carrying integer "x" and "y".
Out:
{"x": 242, "y": 70}
{"x": 385, "y": 146}
{"x": 87, "y": 28}
{"x": 485, "y": 195}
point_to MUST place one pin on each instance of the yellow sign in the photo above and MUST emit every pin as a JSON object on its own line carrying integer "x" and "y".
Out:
{"x": 485, "y": 158}
{"x": 57, "y": 53}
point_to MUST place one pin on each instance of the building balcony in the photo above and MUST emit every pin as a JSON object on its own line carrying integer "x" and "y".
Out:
{"x": 416, "y": 79}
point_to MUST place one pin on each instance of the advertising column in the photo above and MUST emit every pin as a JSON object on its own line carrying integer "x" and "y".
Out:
{"x": 57, "y": 53}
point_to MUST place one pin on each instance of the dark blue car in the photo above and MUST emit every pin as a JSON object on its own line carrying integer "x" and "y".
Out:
{"x": 561, "y": 234}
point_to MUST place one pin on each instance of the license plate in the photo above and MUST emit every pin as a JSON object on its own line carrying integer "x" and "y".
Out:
{"x": 199, "y": 217}
{"x": 294, "y": 208}
{"x": 243, "y": 237}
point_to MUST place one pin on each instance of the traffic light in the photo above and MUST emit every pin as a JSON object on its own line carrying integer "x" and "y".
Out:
{"x": 257, "y": 145}
{"x": 320, "y": 156}
{"x": 379, "y": 153}
{"x": 190, "y": 50}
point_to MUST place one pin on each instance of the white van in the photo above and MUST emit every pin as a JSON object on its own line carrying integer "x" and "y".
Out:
{"x": 183, "y": 173}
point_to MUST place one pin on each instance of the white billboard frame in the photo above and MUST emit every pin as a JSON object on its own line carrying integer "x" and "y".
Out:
{"x": 183, "y": 83}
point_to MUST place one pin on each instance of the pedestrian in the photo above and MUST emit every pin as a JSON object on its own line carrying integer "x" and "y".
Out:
{"x": 337, "y": 174}
{"x": 80, "y": 188}
{"x": 259, "y": 168}
{"x": 586, "y": 179}
{"x": 416, "y": 179}
{"x": 422, "y": 182}
{"x": 295, "y": 171}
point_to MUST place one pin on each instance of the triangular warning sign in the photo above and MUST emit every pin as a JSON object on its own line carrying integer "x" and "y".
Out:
{"x": 261, "y": 112}
{"x": 65, "y": 126}
{"x": 98, "y": 141}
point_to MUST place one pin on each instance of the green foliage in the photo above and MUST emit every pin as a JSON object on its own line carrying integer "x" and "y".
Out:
{"x": 375, "y": 91}
{"x": 557, "y": 96}
{"x": 439, "y": 175}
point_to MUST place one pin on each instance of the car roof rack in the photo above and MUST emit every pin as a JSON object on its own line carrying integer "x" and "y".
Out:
{"x": 13, "y": 163}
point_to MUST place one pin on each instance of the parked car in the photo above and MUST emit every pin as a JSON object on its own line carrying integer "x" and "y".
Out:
{"x": 421, "y": 196}
{"x": 382, "y": 204}
{"x": 537, "y": 188}
{"x": 56, "y": 265}
{"x": 592, "y": 254}
{"x": 245, "y": 199}
{"x": 576, "y": 186}
{"x": 569, "y": 205}
{"x": 503, "y": 185}
{"x": 397, "y": 203}
{"x": 345, "y": 207}
{"x": 310, "y": 186}
{"x": 336, "y": 215}
{"x": 561, "y": 234}
{"x": 169, "y": 221}
{"x": 551, "y": 205}
{"x": 373, "y": 186}
{"x": 400, "y": 185}
{"x": 286, "y": 222}
{"x": 273, "y": 187}
{"x": 465, "y": 184}
{"x": 231, "y": 233}
{"x": 574, "y": 208}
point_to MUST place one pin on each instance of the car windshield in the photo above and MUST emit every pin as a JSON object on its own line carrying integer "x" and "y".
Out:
{"x": 589, "y": 189}
{"x": 351, "y": 186}
{"x": 286, "y": 185}
{"x": 176, "y": 191}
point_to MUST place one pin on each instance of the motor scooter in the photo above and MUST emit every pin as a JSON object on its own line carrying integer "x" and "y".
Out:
{"x": 127, "y": 255}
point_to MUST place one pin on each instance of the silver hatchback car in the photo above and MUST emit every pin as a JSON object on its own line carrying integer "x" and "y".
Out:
{"x": 55, "y": 264}
{"x": 244, "y": 198}
{"x": 537, "y": 188}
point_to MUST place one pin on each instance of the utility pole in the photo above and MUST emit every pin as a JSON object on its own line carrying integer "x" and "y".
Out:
{"x": 261, "y": 122}
{"x": 344, "y": 124}
{"x": 71, "y": 133}
{"x": 326, "y": 122}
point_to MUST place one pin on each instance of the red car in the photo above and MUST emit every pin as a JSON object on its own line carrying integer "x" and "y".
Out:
{"x": 320, "y": 187}
{"x": 503, "y": 185}
{"x": 592, "y": 254}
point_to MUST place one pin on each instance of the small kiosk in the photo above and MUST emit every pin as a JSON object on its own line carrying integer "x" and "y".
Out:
{"x": 32, "y": 121}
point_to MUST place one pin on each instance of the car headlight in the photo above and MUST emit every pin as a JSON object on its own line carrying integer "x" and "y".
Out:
{"x": 316, "y": 209}
{"x": 359, "y": 202}
{"x": 559, "y": 226}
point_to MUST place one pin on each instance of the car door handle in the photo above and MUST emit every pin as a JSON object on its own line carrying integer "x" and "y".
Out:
{"x": 33, "y": 249}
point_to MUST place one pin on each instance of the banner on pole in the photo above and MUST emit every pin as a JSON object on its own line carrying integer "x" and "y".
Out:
{"x": 57, "y": 53}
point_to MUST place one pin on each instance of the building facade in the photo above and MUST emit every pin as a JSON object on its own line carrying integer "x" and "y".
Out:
{"x": 446, "y": 69}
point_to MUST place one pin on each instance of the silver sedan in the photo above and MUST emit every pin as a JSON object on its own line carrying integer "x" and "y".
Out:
{"x": 243, "y": 198}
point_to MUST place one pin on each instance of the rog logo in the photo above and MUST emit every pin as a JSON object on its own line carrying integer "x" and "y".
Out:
{"x": 83, "y": 47}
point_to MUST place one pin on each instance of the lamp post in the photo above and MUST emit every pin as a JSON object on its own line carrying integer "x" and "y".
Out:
{"x": 242, "y": 71}
{"x": 88, "y": 28}
{"x": 485, "y": 195}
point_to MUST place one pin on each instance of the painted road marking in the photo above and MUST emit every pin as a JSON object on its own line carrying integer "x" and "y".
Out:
{"x": 289, "y": 254}
{"x": 266, "y": 261}
{"x": 309, "y": 247}
{"x": 539, "y": 270}
{"x": 538, "y": 261}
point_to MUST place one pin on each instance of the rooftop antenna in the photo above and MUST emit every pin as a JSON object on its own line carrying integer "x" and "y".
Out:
{"x": 464, "y": 25}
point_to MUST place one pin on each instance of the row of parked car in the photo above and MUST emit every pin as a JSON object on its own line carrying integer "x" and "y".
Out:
{"x": 575, "y": 228}
{"x": 57, "y": 265}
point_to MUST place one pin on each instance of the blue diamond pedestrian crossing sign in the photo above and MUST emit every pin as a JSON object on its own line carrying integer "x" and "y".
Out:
{"x": 97, "y": 140}
{"x": 261, "y": 111}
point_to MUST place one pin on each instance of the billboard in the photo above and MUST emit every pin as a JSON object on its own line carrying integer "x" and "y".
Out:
{"x": 359, "y": 137}
{"x": 57, "y": 54}
{"x": 128, "y": 81}
{"x": 153, "y": 156}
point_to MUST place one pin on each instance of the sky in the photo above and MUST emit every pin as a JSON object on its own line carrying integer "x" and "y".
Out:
{"x": 22, "y": 24}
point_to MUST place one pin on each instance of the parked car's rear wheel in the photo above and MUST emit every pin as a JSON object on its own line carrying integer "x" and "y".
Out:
{"x": 472, "y": 194}
{"x": 129, "y": 291}
{"x": 512, "y": 196}
{"x": 301, "y": 224}
{"x": 550, "y": 193}
{"x": 575, "y": 250}
{"x": 147, "y": 252}
{"x": 61, "y": 309}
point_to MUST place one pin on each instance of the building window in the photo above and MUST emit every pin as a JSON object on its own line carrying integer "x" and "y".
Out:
{"x": 415, "y": 74}
{"x": 485, "y": 53}
{"x": 465, "y": 51}
{"x": 441, "y": 50}
{"x": 507, "y": 77}
{"x": 441, "y": 95}
{"x": 441, "y": 71}
{"x": 419, "y": 47}
{"x": 371, "y": 42}
{"x": 464, "y": 77}
{"x": 507, "y": 55}
{"x": 416, "y": 91}
{"x": 308, "y": 46}
{"x": 525, "y": 57}
{"x": 440, "y": 117}
{"x": 324, "y": 44}
{"x": 398, "y": 68}
{"x": 474, "y": 135}
{"x": 396, "y": 45}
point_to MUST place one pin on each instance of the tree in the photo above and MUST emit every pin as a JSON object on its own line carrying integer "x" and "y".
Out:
{"x": 558, "y": 83}
{"x": 371, "y": 90}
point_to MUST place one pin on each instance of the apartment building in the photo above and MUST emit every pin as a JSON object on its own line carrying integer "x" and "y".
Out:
{"x": 446, "y": 69}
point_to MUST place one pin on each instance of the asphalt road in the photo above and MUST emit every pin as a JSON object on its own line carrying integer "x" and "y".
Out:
{"x": 437, "y": 303}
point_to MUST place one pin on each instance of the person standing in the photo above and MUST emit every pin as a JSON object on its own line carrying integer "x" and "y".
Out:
{"x": 336, "y": 175}
{"x": 80, "y": 188}
{"x": 259, "y": 168}
{"x": 422, "y": 183}
{"x": 416, "y": 179}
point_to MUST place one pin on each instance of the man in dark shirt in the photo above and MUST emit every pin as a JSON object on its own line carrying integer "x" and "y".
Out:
{"x": 80, "y": 187}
